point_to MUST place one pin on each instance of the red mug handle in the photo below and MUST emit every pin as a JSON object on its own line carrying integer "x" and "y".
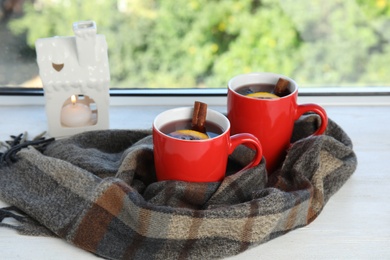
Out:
{"x": 304, "y": 108}
{"x": 252, "y": 141}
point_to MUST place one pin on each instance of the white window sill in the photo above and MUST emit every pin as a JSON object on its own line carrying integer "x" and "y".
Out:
{"x": 373, "y": 96}
{"x": 353, "y": 225}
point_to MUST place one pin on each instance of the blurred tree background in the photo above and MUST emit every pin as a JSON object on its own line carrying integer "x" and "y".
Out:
{"x": 203, "y": 43}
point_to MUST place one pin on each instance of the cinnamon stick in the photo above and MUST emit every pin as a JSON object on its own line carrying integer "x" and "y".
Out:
{"x": 199, "y": 117}
{"x": 281, "y": 88}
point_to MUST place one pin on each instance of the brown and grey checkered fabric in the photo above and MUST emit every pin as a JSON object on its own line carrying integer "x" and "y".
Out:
{"x": 98, "y": 191}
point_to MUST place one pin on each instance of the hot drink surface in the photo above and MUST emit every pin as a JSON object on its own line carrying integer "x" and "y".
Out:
{"x": 212, "y": 129}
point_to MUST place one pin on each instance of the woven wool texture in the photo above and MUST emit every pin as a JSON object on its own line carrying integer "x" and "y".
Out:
{"x": 98, "y": 191}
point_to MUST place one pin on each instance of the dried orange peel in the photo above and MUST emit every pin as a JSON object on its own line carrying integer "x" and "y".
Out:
{"x": 187, "y": 134}
{"x": 262, "y": 95}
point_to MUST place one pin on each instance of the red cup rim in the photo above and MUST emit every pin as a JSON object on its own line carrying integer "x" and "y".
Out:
{"x": 186, "y": 113}
{"x": 269, "y": 78}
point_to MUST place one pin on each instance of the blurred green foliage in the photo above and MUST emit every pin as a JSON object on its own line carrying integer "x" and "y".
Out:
{"x": 203, "y": 43}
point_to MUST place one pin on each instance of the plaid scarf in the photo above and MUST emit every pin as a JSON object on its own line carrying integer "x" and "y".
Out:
{"x": 98, "y": 191}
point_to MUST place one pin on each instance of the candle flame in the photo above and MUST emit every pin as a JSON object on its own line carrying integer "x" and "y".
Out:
{"x": 73, "y": 99}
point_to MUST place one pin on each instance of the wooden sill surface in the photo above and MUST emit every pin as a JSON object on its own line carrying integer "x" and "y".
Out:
{"x": 355, "y": 223}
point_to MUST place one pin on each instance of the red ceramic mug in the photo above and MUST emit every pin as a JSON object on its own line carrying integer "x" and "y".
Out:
{"x": 270, "y": 120}
{"x": 196, "y": 160}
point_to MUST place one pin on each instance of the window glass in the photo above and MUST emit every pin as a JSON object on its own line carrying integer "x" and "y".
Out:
{"x": 203, "y": 43}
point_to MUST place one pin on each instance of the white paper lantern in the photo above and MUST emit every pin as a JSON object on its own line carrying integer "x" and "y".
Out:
{"x": 75, "y": 74}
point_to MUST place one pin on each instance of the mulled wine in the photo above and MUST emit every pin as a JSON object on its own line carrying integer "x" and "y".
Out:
{"x": 262, "y": 91}
{"x": 181, "y": 129}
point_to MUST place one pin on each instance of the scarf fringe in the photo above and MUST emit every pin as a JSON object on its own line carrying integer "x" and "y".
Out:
{"x": 19, "y": 142}
{"x": 26, "y": 226}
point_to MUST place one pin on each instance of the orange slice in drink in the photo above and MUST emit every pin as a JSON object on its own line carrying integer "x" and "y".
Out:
{"x": 262, "y": 95}
{"x": 187, "y": 134}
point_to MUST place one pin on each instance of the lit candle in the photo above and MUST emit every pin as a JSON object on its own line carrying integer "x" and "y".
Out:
{"x": 76, "y": 114}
